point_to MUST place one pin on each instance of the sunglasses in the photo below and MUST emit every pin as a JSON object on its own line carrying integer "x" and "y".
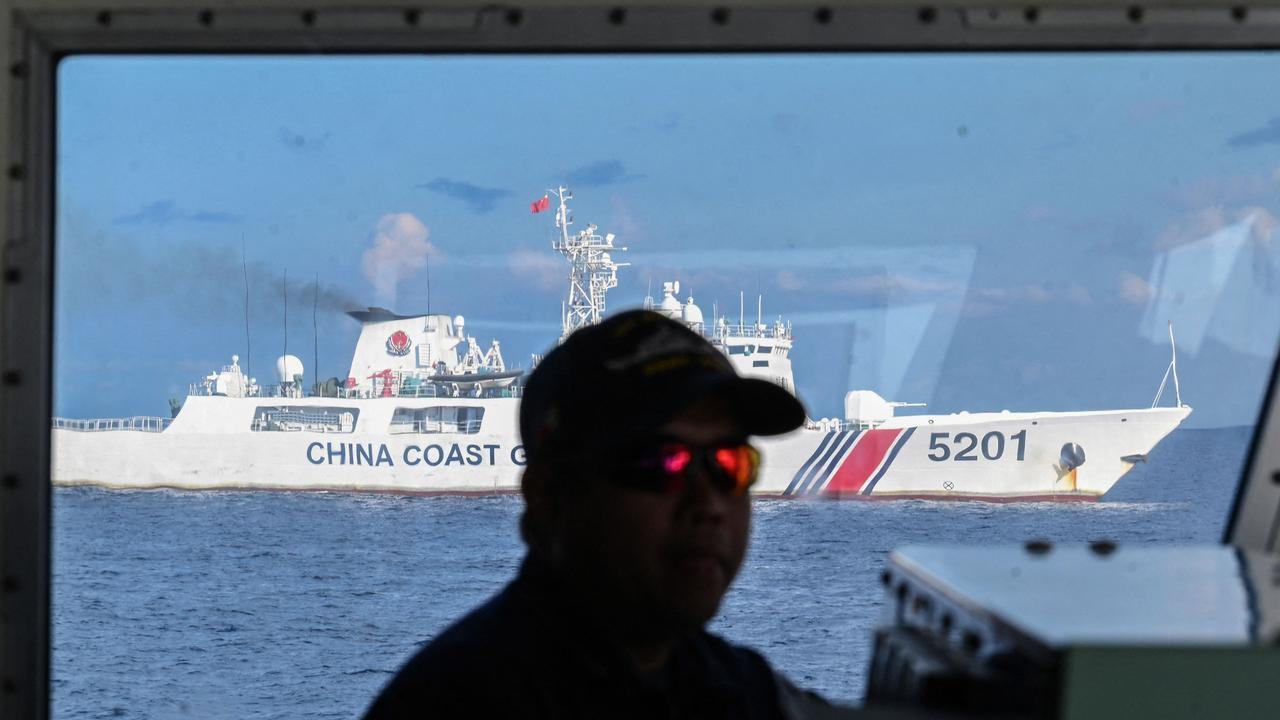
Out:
{"x": 664, "y": 467}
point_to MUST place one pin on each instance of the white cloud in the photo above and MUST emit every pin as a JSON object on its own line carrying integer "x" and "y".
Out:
{"x": 544, "y": 269}
{"x": 1134, "y": 289}
{"x": 1208, "y": 220}
{"x": 398, "y": 251}
{"x": 1022, "y": 294}
{"x": 788, "y": 280}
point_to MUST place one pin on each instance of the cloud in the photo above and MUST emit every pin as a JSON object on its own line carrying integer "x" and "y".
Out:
{"x": 299, "y": 142}
{"x": 481, "y": 199}
{"x": 1206, "y": 221}
{"x": 788, "y": 280}
{"x": 603, "y": 172}
{"x": 988, "y": 301}
{"x": 398, "y": 251}
{"x": 1240, "y": 189}
{"x": 1268, "y": 134}
{"x": 1021, "y": 294}
{"x": 879, "y": 283}
{"x": 1134, "y": 289}
{"x": 1079, "y": 295}
{"x": 167, "y": 212}
{"x": 545, "y": 270}
{"x": 1053, "y": 216}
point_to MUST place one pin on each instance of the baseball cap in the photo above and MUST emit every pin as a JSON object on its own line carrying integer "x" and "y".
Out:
{"x": 609, "y": 383}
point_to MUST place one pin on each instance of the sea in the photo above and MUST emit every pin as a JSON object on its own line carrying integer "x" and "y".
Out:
{"x": 170, "y": 604}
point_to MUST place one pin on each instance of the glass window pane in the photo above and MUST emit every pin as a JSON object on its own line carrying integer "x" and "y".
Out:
{"x": 972, "y": 268}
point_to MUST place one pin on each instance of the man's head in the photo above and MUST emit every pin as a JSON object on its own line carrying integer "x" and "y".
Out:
{"x": 636, "y": 432}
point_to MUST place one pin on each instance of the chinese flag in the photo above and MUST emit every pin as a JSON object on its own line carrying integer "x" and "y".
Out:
{"x": 538, "y": 206}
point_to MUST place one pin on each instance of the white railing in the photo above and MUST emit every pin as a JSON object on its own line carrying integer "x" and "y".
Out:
{"x": 746, "y": 330}
{"x": 427, "y": 390}
{"x": 399, "y": 389}
{"x": 466, "y": 427}
{"x": 137, "y": 424}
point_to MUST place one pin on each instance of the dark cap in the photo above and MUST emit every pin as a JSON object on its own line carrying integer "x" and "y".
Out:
{"x": 625, "y": 377}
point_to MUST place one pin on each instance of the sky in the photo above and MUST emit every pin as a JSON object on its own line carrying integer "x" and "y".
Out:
{"x": 976, "y": 232}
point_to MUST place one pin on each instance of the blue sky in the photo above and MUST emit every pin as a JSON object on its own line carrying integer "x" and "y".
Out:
{"x": 975, "y": 232}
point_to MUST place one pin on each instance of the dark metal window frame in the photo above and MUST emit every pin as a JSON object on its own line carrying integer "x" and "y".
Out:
{"x": 40, "y": 32}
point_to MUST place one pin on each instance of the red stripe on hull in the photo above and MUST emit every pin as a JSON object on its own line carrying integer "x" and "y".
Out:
{"x": 863, "y": 460}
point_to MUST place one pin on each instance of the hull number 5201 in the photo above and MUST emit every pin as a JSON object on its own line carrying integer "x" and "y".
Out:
{"x": 965, "y": 446}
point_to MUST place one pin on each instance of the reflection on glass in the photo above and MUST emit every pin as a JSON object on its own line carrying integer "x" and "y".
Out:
{"x": 967, "y": 267}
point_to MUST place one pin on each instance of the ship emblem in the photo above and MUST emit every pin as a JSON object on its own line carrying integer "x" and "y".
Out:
{"x": 398, "y": 344}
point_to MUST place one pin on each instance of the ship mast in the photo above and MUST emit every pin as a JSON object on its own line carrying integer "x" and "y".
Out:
{"x": 592, "y": 271}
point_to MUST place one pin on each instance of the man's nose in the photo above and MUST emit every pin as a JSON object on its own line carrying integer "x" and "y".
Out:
{"x": 704, "y": 496}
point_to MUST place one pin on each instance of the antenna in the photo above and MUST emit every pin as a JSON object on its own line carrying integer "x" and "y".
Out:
{"x": 248, "y": 346}
{"x": 427, "y": 259}
{"x": 315, "y": 334}
{"x": 742, "y": 313}
{"x": 285, "y": 292}
{"x": 592, "y": 271}
{"x": 759, "y": 310}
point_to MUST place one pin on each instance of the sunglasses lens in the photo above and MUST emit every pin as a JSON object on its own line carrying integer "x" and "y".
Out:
{"x": 675, "y": 458}
{"x": 664, "y": 468}
{"x": 660, "y": 469}
{"x": 738, "y": 464}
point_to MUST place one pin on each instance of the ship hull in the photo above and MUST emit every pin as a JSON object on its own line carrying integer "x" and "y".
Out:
{"x": 987, "y": 456}
{"x": 996, "y": 457}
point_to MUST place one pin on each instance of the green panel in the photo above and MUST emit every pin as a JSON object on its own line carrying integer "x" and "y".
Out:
{"x": 1171, "y": 682}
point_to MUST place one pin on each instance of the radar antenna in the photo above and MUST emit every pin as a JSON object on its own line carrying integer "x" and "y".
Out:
{"x": 592, "y": 271}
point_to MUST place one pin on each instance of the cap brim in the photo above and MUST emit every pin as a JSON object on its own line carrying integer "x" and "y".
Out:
{"x": 761, "y": 407}
{"x": 764, "y": 408}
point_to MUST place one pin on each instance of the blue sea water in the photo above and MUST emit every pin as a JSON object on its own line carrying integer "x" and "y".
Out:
{"x": 301, "y": 605}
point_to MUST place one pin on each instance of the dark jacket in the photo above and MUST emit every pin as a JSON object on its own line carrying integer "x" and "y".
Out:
{"x": 526, "y": 653}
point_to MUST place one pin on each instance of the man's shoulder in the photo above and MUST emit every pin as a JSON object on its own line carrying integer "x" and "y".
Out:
{"x": 737, "y": 662}
{"x": 725, "y": 673}
{"x": 477, "y": 661}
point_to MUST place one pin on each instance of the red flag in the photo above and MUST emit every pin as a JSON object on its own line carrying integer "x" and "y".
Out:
{"x": 538, "y": 206}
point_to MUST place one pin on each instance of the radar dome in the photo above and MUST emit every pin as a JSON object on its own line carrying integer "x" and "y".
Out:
{"x": 288, "y": 367}
{"x": 692, "y": 313}
{"x": 670, "y": 306}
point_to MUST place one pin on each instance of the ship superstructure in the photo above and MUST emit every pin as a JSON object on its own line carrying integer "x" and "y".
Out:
{"x": 592, "y": 271}
{"x": 755, "y": 349}
{"x": 425, "y": 410}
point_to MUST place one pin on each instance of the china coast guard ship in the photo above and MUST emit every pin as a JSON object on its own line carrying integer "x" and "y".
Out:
{"x": 425, "y": 411}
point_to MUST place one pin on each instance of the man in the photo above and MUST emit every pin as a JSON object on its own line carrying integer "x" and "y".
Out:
{"x": 637, "y": 517}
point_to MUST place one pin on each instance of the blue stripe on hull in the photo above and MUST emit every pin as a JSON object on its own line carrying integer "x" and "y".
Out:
{"x": 807, "y": 463}
{"x": 808, "y": 477}
{"x": 822, "y": 473}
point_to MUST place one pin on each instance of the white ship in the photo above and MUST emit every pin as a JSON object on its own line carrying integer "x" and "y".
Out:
{"x": 425, "y": 411}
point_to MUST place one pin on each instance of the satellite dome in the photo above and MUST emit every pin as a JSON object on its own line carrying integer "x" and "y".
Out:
{"x": 288, "y": 367}
{"x": 670, "y": 305}
{"x": 692, "y": 313}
